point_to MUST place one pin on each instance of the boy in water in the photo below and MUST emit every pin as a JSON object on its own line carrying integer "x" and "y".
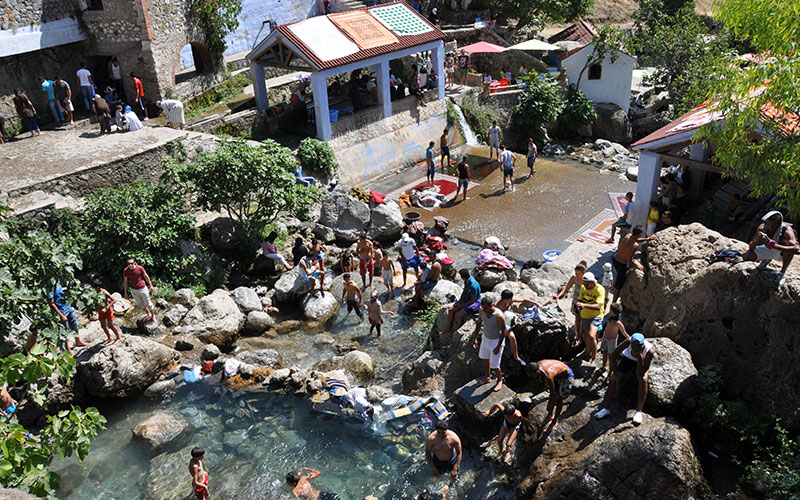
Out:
{"x": 387, "y": 271}
{"x": 512, "y": 422}
{"x": 105, "y": 314}
{"x": 375, "y": 313}
{"x": 351, "y": 295}
{"x": 611, "y": 332}
{"x": 302, "y": 489}
{"x": 199, "y": 475}
{"x": 504, "y": 304}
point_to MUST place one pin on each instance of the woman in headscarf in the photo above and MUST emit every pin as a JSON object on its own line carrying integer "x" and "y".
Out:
{"x": 134, "y": 123}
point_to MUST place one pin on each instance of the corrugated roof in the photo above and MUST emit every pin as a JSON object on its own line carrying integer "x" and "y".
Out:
{"x": 404, "y": 42}
{"x": 581, "y": 31}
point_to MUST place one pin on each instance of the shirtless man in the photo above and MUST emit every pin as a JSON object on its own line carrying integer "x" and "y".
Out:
{"x": 559, "y": 379}
{"x": 630, "y": 356}
{"x": 351, "y": 295}
{"x": 364, "y": 249}
{"x": 443, "y": 450}
{"x": 311, "y": 273}
{"x": 375, "y": 313}
{"x": 505, "y": 303}
{"x": 611, "y": 332}
{"x": 445, "y": 150}
{"x": 492, "y": 325}
{"x": 428, "y": 279}
{"x": 7, "y": 404}
{"x": 377, "y": 257}
{"x": 624, "y": 257}
{"x": 774, "y": 240}
{"x": 199, "y": 475}
{"x": 387, "y": 271}
{"x": 302, "y": 488}
{"x": 512, "y": 421}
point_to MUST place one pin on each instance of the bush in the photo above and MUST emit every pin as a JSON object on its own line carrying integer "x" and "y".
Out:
{"x": 540, "y": 103}
{"x": 578, "y": 112}
{"x": 317, "y": 157}
{"x": 479, "y": 116}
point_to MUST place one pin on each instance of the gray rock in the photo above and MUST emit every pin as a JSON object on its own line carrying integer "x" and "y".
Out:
{"x": 490, "y": 278}
{"x": 386, "y": 222}
{"x": 216, "y": 318}
{"x": 472, "y": 400}
{"x": 278, "y": 377}
{"x": 247, "y": 299}
{"x": 357, "y": 365}
{"x": 150, "y": 328}
{"x": 601, "y": 144}
{"x": 260, "y": 357}
{"x": 226, "y": 233}
{"x": 121, "y": 305}
{"x": 671, "y": 376}
{"x": 160, "y": 388}
{"x": 376, "y": 393}
{"x": 259, "y": 322}
{"x": 290, "y": 287}
{"x": 445, "y": 292}
{"x": 324, "y": 233}
{"x": 632, "y": 173}
{"x": 185, "y": 343}
{"x": 422, "y": 369}
{"x": 611, "y": 123}
{"x": 320, "y": 308}
{"x": 185, "y": 297}
{"x": 174, "y": 315}
{"x": 347, "y": 216}
{"x": 14, "y": 494}
{"x": 210, "y": 352}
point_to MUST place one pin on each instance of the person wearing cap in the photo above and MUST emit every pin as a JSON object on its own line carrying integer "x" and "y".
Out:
{"x": 409, "y": 256}
{"x": 632, "y": 355}
{"x": 774, "y": 240}
{"x": 591, "y": 304}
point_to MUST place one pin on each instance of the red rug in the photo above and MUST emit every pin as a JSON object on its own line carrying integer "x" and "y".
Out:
{"x": 445, "y": 185}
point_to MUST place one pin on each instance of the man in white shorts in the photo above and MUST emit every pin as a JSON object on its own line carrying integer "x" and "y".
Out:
{"x": 774, "y": 240}
{"x": 494, "y": 140}
{"x": 493, "y": 324}
{"x": 139, "y": 281}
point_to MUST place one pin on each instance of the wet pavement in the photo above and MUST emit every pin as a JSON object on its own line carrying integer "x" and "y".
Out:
{"x": 538, "y": 216}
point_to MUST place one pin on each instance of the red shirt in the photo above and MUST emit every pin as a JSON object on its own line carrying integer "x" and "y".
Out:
{"x": 137, "y": 84}
{"x": 135, "y": 277}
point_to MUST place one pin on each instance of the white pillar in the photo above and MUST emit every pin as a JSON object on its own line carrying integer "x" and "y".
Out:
{"x": 437, "y": 59}
{"x": 646, "y": 186}
{"x": 321, "y": 110}
{"x": 259, "y": 84}
{"x": 697, "y": 176}
{"x": 384, "y": 93}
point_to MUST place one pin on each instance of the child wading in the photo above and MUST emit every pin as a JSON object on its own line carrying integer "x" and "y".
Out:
{"x": 199, "y": 475}
{"x": 375, "y": 313}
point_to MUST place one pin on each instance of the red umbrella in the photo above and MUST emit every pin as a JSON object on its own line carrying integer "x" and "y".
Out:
{"x": 483, "y": 47}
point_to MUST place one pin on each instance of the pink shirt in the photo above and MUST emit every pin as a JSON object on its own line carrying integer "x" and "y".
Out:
{"x": 268, "y": 247}
{"x": 135, "y": 277}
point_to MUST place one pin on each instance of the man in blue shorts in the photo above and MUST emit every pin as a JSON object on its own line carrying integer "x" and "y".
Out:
{"x": 409, "y": 256}
{"x": 66, "y": 315}
{"x": 443, "y": 450}
{"x": 429, "y": 160}
{"x": 559, "y": 379}
{"x": 622, "y": 222}
{"x": 469, "y": 303}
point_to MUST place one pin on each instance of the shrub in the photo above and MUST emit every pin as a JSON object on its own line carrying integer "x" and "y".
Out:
{"x": 540, "y": 103}
{"x": 578, "y": 112}
{"x": 317, "y": 156}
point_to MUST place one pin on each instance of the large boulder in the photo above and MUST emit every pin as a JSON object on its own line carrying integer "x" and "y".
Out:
{"x": 163, "y": 429}
{"x": 174, "y": 315}
{"x": 611, "y": 123}
{"x": 290, "y": 288}
{"x": 121, "y": 305}
{"x": 260, "y": 357}
{"x": 247, "y": 299}
{"x": 216, "y": 318}
{"x": 357, "y": 365}
{"x": 551, "y": 277}
{"x": 347, "y": 216}
{"x": 445, "y": 292}
{"x": 185, "y": 297}
{"x": 419, "y": 374}
{"x": 259, "y": 322}
{"x": 226, "y": 233}
{"x": 385, "y": 222}
{"x": 321, "y": 307}
{"x": 489, "y": 278}
{"x": 520, "y": 291}
{"x": 15, "y": 494}
{"x": 125, "y": 368}
{"x": 671, "y": 377}
{"x": 740, "y": 317}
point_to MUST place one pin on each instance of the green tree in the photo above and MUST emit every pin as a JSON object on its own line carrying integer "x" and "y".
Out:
{"x": 31, "y": 264}
{"x": 654, "y": 13}
{"x": 253, "y": 184}
{"x": 537, "y": 13}
{"x": 317, "y": 156}
{"x": 578, "y": 112}
{"x": 216, "y": 18}
{"x": 540, "y": 103}
{"x": 759, "y": 138}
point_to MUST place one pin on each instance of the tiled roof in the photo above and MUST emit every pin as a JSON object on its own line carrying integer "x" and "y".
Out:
{"x": 581, "y": 31}
{"x": 563, "y": 54}
{"x": 404, "y": 42}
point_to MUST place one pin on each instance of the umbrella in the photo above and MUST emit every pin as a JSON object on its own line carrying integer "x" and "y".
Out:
{"x": 483, "y": 47}
{"x": 534, "y": 44}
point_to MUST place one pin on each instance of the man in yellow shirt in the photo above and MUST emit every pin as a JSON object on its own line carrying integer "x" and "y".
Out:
{"x": 591, "y": 304}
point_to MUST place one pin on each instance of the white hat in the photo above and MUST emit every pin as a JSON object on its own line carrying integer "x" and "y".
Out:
{"x": 607, "y": 266}
{"x": 405, "y": 238}
{"x": 589, "y": 277}
{"x": 434, "y": 10}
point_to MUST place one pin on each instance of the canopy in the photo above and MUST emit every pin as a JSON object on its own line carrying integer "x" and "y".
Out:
{"x": 483, "y": 47}
{"x": 534, "y": 44}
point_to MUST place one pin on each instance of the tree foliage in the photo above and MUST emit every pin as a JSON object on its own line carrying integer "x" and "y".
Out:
{"x": 540, "y": 103}
{"x": 31, "y": 264}
{"x": 253, "y": 184}
{"x": 760, "y": 137}
{"x": 654, "y": 13}
{"x": 537, "y": 13}
{"x": 216, "y": 18}
{"x": 317, "y": 156}
{"x": 578, "y": 111}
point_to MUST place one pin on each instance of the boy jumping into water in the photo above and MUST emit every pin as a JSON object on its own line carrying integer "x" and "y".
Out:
{"x": 199, "y": 475}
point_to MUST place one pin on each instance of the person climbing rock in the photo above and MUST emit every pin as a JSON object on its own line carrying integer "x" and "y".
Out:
{"x": 512, "y": 422}
{"x": 630, "y": 356}
{"x": 558, "y": 378}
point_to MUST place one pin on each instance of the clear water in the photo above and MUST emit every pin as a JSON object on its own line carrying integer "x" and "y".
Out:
{"x": 249, "y": 452}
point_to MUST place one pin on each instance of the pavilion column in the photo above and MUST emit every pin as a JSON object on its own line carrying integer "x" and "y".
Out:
{"x": 259, "y": 84}
{"x": 384, "y": 92}
{"x": 697, "y": 176}
{"x": 437, "y": 59}
{"x": 322, "y": 114}
{"x": 646, "y": 186}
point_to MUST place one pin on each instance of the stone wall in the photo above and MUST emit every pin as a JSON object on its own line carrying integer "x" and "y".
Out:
{"x": 19, "y": 13}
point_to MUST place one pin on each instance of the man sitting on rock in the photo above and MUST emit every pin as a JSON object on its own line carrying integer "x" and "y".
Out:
{"x": 774, "y": 240}
{"x": 470, "y": 302}
{"x": 558, "y": 378}
{"x": 443, "y": 450}
{"x": 512, "y": 422}
{"x": 630, "y": 356}
{"x": 429, "y": 278}
{"x": 309, "y": 272}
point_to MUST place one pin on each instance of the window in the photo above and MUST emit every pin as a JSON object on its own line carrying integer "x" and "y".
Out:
{"x": 595, "y": 71}
{"x": 94, "y": 4}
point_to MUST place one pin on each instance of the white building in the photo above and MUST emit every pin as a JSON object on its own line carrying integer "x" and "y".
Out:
{"x": 606, "y": 81}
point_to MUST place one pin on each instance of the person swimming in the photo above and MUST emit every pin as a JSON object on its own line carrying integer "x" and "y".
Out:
{"x": 301, "y": 485}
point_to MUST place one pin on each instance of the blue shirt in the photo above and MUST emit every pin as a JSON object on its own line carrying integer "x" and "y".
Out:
{"x": 429, "y": 156}
{"x": 471, "y": 289}
{"x": 58, "y": 300}
{"x": 47, "y": 86}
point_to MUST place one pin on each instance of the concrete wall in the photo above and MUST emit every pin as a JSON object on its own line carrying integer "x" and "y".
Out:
{"x": 389, "y": 144}
{"x": 615, "y": 84}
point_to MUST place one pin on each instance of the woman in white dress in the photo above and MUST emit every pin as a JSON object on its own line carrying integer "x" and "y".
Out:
{"x": 134, "y": 123}
{"x": 173, "y": 109}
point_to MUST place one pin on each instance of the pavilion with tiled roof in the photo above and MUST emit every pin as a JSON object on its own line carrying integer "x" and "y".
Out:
{"x": 339, "y": 43}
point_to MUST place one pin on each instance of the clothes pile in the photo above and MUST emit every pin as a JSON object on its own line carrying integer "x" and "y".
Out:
{"x": 488, "y": 259}
{"x": 728, "y": 255}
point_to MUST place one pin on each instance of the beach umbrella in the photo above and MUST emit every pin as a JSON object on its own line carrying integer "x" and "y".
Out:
{"x": 483, "y": 48}
{"x": 534, "y": 44}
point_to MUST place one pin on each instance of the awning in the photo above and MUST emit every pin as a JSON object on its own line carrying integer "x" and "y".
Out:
{"x": 483, "y": 47}
{"x": 534, "y": 44}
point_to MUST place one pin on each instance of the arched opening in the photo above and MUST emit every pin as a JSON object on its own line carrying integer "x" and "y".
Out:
{"x": 195, "y": 59}
{"x": 595, "y": 71}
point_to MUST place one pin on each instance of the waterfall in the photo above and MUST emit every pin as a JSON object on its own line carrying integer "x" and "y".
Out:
{"x": 469, "y": 135}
